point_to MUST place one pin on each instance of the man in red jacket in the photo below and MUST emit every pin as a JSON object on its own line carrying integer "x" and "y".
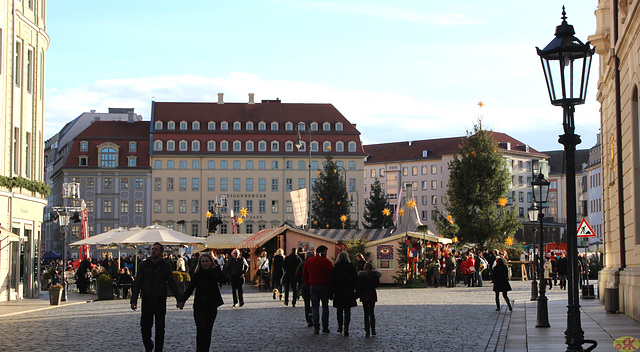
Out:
{"x": 316, "y": 273}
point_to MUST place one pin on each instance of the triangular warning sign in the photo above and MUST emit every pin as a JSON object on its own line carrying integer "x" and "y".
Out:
{"x": 585, "y": 230}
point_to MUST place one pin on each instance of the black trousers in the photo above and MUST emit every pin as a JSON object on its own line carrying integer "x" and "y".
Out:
{"x": 306, "y": 295}
{"x": 293, "y": 285}
{"x": 153, "y": 309}
{"x": 204, "y": 317}
{"x": 236, "y": 290}
{"x": 369, "y": 313}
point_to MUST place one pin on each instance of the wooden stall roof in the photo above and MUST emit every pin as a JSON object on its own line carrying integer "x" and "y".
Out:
{"x": 428, "y": 236}
{"x": 263, "y": 236}
{"x": 225, "y": 241}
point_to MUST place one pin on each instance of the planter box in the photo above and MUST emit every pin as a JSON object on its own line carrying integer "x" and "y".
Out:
{"x": 105, "y": 292}
{"x": 44, "y": 285}
{"x": 55, "y": 295}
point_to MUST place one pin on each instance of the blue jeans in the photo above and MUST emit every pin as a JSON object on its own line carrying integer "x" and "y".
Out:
{"x": 479, "y": 278}
{"x": 319, "y": 293}
{"x": 451, "y": 281}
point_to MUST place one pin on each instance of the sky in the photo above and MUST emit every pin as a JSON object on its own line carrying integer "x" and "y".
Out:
{"x": 400, "y": 70}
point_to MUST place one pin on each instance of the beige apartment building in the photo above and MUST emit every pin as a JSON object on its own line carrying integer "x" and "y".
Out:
{"x": 248, "y": 155}
{"x": 618, "y": 49}
{"x": 23, "y": 44}
{"x": 425, "y": 165}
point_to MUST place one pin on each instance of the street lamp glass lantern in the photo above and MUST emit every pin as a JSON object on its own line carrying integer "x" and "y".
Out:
{"x": 540, "y": 189}
{"x": 532, "y": 212}
{"x": 566, "y": 62}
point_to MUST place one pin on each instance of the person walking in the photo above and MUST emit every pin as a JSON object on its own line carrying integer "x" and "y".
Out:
{"x": 342, "y": 286}
{"x": 562, "y": 271}
{"x": 501, "y": 282}
{"x": 368, "y": 280}
{"x": 207, "y": 299}
{"x": 277, "y": 271}
{"x": 151, "y": 283}
{"x": 316, "y": 274}
{"x": 235, "y": 269}
{"x": 291, "y": 263}
{"x": 548, "y": 272}
{"x": 360, "y": 262}
{"x": 262, "y": 264}
{"x": 306, "y": 294}
{"x": 450, "y": 268}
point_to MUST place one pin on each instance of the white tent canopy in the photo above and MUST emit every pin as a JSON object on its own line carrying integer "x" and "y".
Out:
{"x": 156, "y": 233}
{"x": 107, "y": 238}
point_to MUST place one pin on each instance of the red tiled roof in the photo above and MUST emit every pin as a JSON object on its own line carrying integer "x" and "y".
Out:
{"x": 401, "y": 151}
{"x": 117, "y": 132}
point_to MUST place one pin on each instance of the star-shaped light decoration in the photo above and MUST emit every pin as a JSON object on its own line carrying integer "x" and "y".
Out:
{"x": 454, "y": 240}
{"x": 401, "y": 212}
{"x": 450, "y": 219}
{"x": 343, "y": 218}
{"x": 240, "y": 221}
{"x": 386, "y": 212}
{"x": 481, "y": 104}
{"x": 509, "y": 241}
{"x": 209, "y": 214}
{"x": 502, "y": 202}
{"x": 244, "y": 212}
{"x": 411, "y": 203}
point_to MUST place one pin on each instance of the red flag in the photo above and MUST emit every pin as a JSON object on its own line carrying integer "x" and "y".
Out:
{"x": 84, "y": 234}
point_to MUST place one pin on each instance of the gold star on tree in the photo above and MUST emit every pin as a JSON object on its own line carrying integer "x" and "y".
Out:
{"x": 509, "y": 241}
{"x": 454, "y": 240}
{"x": 343, "y": 218}
{"x": 450, "y": 219}
{"x": 386, "y": 212}
{"x": 411, "y": 203}
{"x": 502, "y": 202}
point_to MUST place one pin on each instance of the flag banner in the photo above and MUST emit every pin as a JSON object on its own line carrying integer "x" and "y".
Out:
{"x": 300, "y": 206}
{"x": 234, "y": 224}
{"x": 397, "y": 212}
{"x": 84, "y": 234}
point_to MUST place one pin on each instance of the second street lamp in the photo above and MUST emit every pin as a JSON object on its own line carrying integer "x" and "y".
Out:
{"x": 540, "y": 196}
{"x": 533, "y": 217}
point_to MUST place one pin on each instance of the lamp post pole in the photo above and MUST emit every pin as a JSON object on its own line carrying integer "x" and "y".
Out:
{"x": 357, "y": 207}
{"x": 533, "y": 217}
{"x": 540, "y": 188}
{"x": 567, "y": 57}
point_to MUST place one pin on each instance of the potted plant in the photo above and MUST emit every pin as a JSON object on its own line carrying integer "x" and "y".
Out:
{"x": 105, "y": 287}
{"x": 55, "y": 294}
{"x": 44, "y": 281}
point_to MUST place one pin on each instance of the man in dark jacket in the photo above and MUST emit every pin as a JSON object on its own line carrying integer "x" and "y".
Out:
{"x": 235, "y": 269}
{"x": 291, "y": 263}
{"x": 151, "y": 283}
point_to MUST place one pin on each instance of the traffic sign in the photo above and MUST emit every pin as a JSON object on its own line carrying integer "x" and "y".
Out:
{"x": 585, "y": 230}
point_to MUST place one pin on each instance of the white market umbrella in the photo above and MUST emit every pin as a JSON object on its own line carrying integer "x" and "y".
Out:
{"x": 157, "y": 233}
{"x": 107, "y": 238}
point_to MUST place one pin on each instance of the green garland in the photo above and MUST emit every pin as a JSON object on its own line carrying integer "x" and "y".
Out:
{"x": 21, "y": 182}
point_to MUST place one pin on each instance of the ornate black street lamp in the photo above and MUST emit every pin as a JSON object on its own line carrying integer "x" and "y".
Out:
{"x": 533, "y": 217}
{"x": 540, "y": 196}
{"x": 566, "y": 62}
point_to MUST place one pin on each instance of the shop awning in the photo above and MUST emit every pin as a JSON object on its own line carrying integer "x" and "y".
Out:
{"x": 261, "y": 237}
{"x": 6, "y": 235}
{"x": 224, "y": 241}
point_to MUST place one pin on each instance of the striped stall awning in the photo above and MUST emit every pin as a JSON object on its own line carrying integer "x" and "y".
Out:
{"x": 345, "y": 235}
{"x": 261, "y": 237}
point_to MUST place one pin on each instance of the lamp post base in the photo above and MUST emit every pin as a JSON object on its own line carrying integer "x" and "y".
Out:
{"x": 534, "y": 290}
{"x": 543, "y": 314}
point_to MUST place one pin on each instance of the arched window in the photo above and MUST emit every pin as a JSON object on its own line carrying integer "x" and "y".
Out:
{"x": 171, "y": 145}
{"x": 224, "y": 146}
{"x": 262, "y": 146}
{"x": 288, "y": 146}
{"x": 314, "y": 146}
{"x": 158, "y": 125}
{"x": 211, "y": 146}
{"x": 249, "y": 146}
{"x": 157, "y": 145}
{"x": 195, "y": 126}
{"x": 339, "y": 126}
{"x": 274, "y": 126}
{"x": 171, "y": 125}
{"x": 339, "y": 146}
{"x": 183, "y": 125}
{"x": 262, "y": 126}
{"x": 288, "y": 126}
{"x": 314, "y": 126}
{"x": 352, "y": 146}
{"x": 183, "y": 146}
{"x": 237, "y": 126}
{"x": 275, "y": 146}
{"x": 211, "y": 126}
{"x": 195, "y": 146}
{"x": 108, "y": 157}
{"x": 224, "y": 125}
{"x": 249, "y": 126}
{"x": 237, "y": 146}
{"x": 326, "y": 146}
{"x": 326, "y": 126}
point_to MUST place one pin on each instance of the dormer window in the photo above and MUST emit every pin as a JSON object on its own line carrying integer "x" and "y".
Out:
{"x": 237, "y": 126}
{"x": 108, "y": 155}
{"x": 352, "y": 146}
{"x": 83, "y": 161}
{"x": 237, "y": 146}
{"x": 314, "y": 146}
{"x": 326, "y": 126}
{"x": 157, "y": 146}
{"x": 158, "y": 125}
{"x": 171, "y": 145}
{"x": 339, "y": 126}
{"x": 183, "y": 146}
{"x": 326, "y": 146}
{"x": 249, "y": 146}
{"x": 195, "y": 146}
{"x": 288, "y": 146}
{"x": 183, "y": 125}
{"x": 224, "y": 126}
{"x": 275, "y": 146}
{"x": 211, "y": 126}
{"x": 224, "y": 146}
{"x": 171, "y": 125}
{"x": 339, "y": 146}
{"x": 262, "y": 126}
{"x": 274, "y": 126}
{"x": 288, "y": 126}
{"x": 211, "y": 146}
{"x": 262, "y": 146}
{"x": 133, "y": 146}
{"x": 314, "y": 126}
{"x": 249, "y": 126}
{"x": 84, "y": 146}
{"x": 195, "y": 125}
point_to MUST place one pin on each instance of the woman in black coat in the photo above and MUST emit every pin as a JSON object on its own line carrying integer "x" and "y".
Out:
{"x": 501, "y": 282}
{"x": 342, "y": 286}
{"x": 207, "y": 298}
{"x": 277, "y": 271}
{"x": 368, "y": 280}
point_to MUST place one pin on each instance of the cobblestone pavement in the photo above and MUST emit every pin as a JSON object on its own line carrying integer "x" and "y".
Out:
{"x": 431, "y": 319}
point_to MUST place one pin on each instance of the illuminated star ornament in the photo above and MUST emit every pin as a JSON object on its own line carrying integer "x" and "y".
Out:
{"x": 454, "y": 240}
{"x": 509, "y": 241}
{"x": 411, "y": 203}
{"x": 450, "y": 219}
{"x": 386, "y": 212}
{"x": 480, "y": 104}
{"x": 240, "y": 221}
{"x": 343, "y": 218}
{"x": 502, "y": 202}
{"x": 401, "y": 212}
{"x": 244, "y": 212}
{"x": 209, "y": 214}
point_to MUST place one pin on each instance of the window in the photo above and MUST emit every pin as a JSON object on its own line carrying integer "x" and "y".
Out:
{"x": 195, "y": 164}
{"x": 183, "y": 146}
{"x": 262, "y": 126}
{"x": 195, "y": 125}
{"x": 131, "y": 161}
{"x": 90, "y": 183}
{"x": 108, "y": 183}
{"x": 237, "y": 126}
{"x": 352, "y": 146}
{"x": 171, "y": 125}
{"x": 83, "y": 161}
{"x": 262, "y": 146}
{"x": 262, "y": 206}
{"x": 223, "y": 228}
{"x": 236, "y": 206}
{"x": 275, "y": 146}
{"x": 288, "y": 146}
{"x": 183, "y": 164}
{"x": 157, "y": 164}
{"x": 521, "y": 197}
{"x": 224, "y": 146}
{"x": 262, "y": 184}
{"x": 352, "y": 165}
{"x": 236, "y": 165}
{"x": 326, "y": 126}
{"x": 157, "y": 184}
{"x": 339, "y": 146}
{"x": 224, "y": 184}
{"x": 124, "y": 206}
{"x": 302, "y": 183}
{"x": 262, "y": 165}
{"x": 288, "y": 207}
{"x": 211, "y": 146}
{"x": 274, "y": 165}
{"x": 18, "y": 64}
{"x": 138, "y": 183}
{"x": 249, "y": 228}
{"x": 171, "y": 145}
{"x": 236, "y": 184}
{"x": 211, "y": 184}
{"x": 289, "y": 184}
{"x": 425, "y": 185}
{"x": 169, "y": 183}
{"x": 237, "y": 146}
{"x": 138, "y": 207}
{"x": 314, "y": 126}
{"x": 352, "y": 184}
{"x": 169, "y": 164}
{"x": 326, "y": 146}
{"x": 84, "y": 146}
{"x": 107, "y": 206}
{"x": 529, "y": 197}
{"x": 434, "y": 184}
{"x": 434, "y": 169}
{"x": 211, "y": 126}
{"x": 183, "y": 184}
{"x": 339, "y": 126}
{"x": 158, "y": 125}
{"x": 405, "y": 171}
{"x": 195, "y": 146}
{"x": 195, "y": 230}
{"x": 249, "y": 126}
{"x": 373, "y": 173}
{"x": 288, "y": 126}
{"x": 182, "y": 206}
{"x": 274, "y": 206}
{"x": 157, "y": 145}
{"x": 224, "y": 165}
{"x": 301, "y": 165}
{"x": 169, "y": 206}
{"x": 157, "y": 206}
{"x": 195, "y": 206}
{"x": 249, "y": 164}
{"x": 224, "y": 126}
{"x": 288, "y": 164}
{"x": 520, "y": 180}
{"x": 414, "y": 170}
{"x": 274, "y": 184}
{"x": 249, "y": 184}
{"x": 211, "y": 164}
{"x": 195, "y": 184}
{"x": 434, "y": 200}
{"x": 90, "y": 206}
{"x": 274, "y": 126}
{"x": 249, "y": 146}
{"x": 314, "y": 146}
{"x": 183, "y": 125}
{"x": 108, "y": 157}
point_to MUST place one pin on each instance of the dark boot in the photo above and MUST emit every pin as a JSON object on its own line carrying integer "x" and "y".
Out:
{"x": 346, "y": 326}
{"x": 373, "y": 327}
{"x": 340, "y": 318}
{"x": 366, "y": 328}
{"x": 509, "y": 304}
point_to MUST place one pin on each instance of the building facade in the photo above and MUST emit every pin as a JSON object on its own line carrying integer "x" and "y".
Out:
{"x": 247, "y": 154}
{"x": 24, "y": 42}
{"x": 615, "y": 41}
{"x": 592, "y": 194}
{"x": 425, "y": 165}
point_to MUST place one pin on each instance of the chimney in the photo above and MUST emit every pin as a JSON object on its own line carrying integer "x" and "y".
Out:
{"x": 220, "y": 98}
{"x": 251, "y": 98}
